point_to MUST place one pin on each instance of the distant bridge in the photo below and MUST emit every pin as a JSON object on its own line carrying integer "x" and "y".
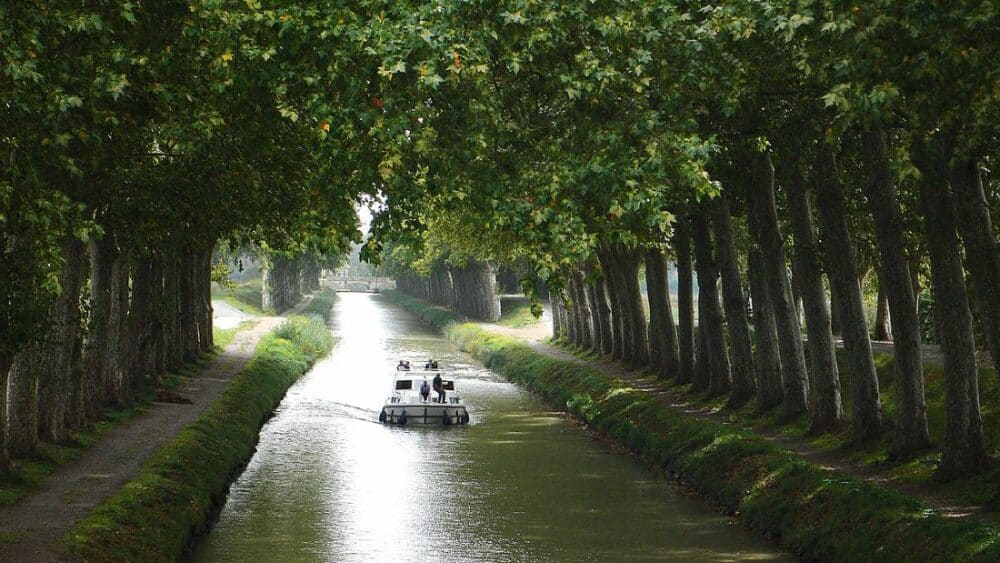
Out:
{"x": 360, "y": 283}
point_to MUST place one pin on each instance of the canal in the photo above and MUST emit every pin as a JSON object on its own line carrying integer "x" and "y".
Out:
{"x": 520, "y": 483}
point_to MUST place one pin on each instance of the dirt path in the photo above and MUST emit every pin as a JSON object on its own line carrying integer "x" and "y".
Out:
{"x": 34, "y": 525}
{"x": 826, "y": 460}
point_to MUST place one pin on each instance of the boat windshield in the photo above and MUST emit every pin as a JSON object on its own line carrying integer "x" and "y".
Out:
{"x": 402, "y": 384}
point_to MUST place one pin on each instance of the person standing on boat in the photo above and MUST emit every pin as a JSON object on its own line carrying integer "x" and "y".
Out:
{"x": 425, "y": 390}
{"x": 439, "y": 387}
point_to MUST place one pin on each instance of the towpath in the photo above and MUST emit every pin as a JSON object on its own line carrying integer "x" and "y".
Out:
{"x": 31, "y": 529}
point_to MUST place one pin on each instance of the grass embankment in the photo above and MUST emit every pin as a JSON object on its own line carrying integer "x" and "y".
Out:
{"x": 157, "y": 514}
{"x": 515, "y": 312}
{"x": 245, "y": 296}
{"x": 818, "y": 514}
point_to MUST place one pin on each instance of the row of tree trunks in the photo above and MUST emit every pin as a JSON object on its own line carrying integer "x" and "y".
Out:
{"x": 475, "y": 291}
{"x": 441, "y": 289}
{"x": 767, "y": 236}
{"x": 827, "y": 412}
{"x": 981, "y": 248}
{"x": 146, "y": 314}
{"x": 866, "y": 421}
{"x": 964, "y": 449}
{"x": 895, "y": 282}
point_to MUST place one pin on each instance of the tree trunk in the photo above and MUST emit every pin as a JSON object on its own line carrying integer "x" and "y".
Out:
{"x": 158, "y": 352}
{"x": 770, "y": 388}
{"x": 94, "y": 386}
{"x": 709, "y": 312}
{"x": 475, "y": 291}
{"x": 58, "y": 361}
{"x": 596, "y": 321}
{"x": 982, "y": 256}
{"x": 638, "y": 347}
{"x": 581, "y": 310}
{"x": 604, "y": 314}
{"x": 883, "y": 331}
{"x": 735, "y": 304}
{"x": 22, "y": 404}
{"x": 265, "y": 286}
{"x": 835, "y": 323}
{"x": 896, "y": 281}
{"x": 964, "y": 450}
{"x": 866, "y": 422}
{"x": 5, "y": 364}
{"x": 655, "y": 295}
{"x": 793, "y": 362}
{"x": 610, "y": 268}
{"x": 140, "y": 324}
{"x": 666, "y": 334}
{"x": 205, "y": 336}
{"x": 828, "y": 410}
{"x": 557, "y": 316}
{"x": 685, "y": 302}
{"x": 173, "y": 343}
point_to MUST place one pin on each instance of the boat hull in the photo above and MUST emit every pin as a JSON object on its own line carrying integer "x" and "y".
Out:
{"x": 424, "y": 414}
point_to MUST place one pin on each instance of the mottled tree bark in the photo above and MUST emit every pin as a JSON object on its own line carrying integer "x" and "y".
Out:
{"x": 964, "y": 450}
{"x": 735, "y": 303}
{"x": 770, "y": 389}
{"x": 982, "y": 255}
{"x": 638, "y": 355}
{"x": 103, "y": 253}
{"x": 828, "y": 410}
{"x": 793, "y": 363}
{"x": 685, "y": 302}
{"x": 866, "y": 408}
{"x": 558, "y": 327}
{"x": 22, "y": 405}
{"x": 610, "y": 267}
{"x": 709, "y": 312}
{"x": 475, "y": 291}
{"x": 59, "y": 360}
{"x": 600, "y": 287}
{"x": 665, "y": 335}
{"x": 596, "y": 322}
{"x": 581, "y": 307}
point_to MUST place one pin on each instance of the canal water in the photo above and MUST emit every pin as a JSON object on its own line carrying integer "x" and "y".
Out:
{"x": 520, "y": 483}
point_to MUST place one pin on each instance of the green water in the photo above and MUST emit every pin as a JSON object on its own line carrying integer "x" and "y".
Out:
{"x": 520, "y": 483}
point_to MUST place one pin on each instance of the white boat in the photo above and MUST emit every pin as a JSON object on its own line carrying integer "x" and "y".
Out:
{"x": 406, "y": 403}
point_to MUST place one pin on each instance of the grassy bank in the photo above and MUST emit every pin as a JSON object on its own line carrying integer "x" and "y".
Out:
{"x": 245, "y": 296}
{"x": 156, "y": 515}
{"x": 812, "y": 512}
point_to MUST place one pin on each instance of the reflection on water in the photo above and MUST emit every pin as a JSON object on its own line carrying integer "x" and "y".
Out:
{"x": 521, "y": 483}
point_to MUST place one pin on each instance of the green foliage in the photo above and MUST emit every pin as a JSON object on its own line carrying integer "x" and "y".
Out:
{"x": 155, "y": 516}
